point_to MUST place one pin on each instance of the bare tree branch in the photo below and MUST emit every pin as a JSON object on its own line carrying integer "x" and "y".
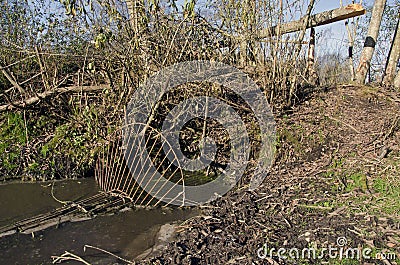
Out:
{"x": 12, "y": 80}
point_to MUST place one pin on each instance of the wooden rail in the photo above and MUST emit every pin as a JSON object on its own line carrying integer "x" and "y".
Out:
{"x": 319, "y": 19}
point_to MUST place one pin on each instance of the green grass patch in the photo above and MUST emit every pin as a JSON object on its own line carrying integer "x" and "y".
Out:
{"x": 12, "y": 139}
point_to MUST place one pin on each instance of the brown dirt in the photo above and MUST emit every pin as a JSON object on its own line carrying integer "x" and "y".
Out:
{"x": 336, "y": 151}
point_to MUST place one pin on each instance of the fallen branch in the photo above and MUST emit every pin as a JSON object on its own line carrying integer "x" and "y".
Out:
{"x": 47, "y": 94}
{"x": 348, "y": 125}
{"x": 108, "y": 252}
{"x": 68, "y": 256}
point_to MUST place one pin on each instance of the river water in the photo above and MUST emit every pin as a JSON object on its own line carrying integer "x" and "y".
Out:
{"x": 126, "y": 234}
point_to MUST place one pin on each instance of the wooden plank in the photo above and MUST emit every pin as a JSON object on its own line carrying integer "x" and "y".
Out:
{"x": 319, "y": 19}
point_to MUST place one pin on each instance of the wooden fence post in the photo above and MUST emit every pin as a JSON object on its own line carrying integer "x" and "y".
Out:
{"x": 312, "y": 75}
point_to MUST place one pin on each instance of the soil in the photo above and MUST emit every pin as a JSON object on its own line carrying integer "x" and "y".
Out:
{"x": 335, "y": 183}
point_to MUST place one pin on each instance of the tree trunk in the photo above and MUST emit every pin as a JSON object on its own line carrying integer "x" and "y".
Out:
{"x": 370, "y": 41}
{"x": 136, "y": 9}
{"x": 249, "y": 20}
{"x": 393, "y": 58}
{"x": 396, "y": 82}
